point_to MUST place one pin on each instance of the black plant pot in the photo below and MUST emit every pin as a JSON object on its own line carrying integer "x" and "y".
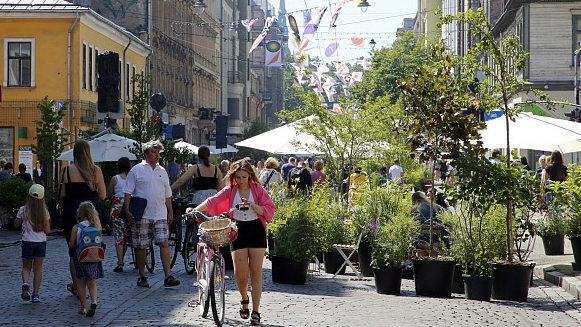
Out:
{"x": 576, "y": 246}
{"x": 511, "y": 281}
{"x": 433, "y": 277}
{"x": 270, "y": 243}
{"x": 477, "y": 287}
{"x": 387, "y": 280}
{"x": 287, "y": 271}
{"x": 457, "y": 281}
{"x": 554, "y": 245}
{"x": 333, "y": 260}
{"x": 364, "y": 254}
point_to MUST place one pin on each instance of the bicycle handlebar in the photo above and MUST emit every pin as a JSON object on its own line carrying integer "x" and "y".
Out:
{"x": 205, "y": 217}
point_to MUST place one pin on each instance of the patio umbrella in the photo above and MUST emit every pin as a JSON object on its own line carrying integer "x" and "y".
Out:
{"x": 187, "y": 146}
{"x": 533, "y": 132}
{"x": 285, "y": 139}
{"x": 109, "y": 147}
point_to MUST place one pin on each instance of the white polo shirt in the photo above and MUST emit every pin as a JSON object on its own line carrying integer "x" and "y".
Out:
{"x": 151, "y": 184}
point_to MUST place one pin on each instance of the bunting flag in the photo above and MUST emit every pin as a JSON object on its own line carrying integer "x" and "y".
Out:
{"x": 357, "y": 76}
{"x": 331, "y": 48}
{"x": 262, "y": 35}
{"x": 357, "y": 41}
{"x": 320, "y": 13}
{"x": 322, "y": 69}
{"x": 341, "y": 68}
{"x": 337, "y": 108}
{"x": 334, "y": 18}
{"x": 306, "y": 16}
{"x": 272, "y": 55}
{"x": 365, "y": 64}
{"x": 249, "y": 24}
{"x": 302, "y": 60}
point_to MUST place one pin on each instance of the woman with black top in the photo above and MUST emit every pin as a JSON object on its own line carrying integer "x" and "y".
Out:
{"x": 207, "y": 178}
{"x": 554, "y": 172}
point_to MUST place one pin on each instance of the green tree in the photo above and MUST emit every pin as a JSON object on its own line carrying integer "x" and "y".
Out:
{"x": 256, "y": 127}
{"x": 51, "y": 138}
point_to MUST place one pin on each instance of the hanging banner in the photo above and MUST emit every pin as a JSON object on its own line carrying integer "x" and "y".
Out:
{"x": 249, "y": 24}
{"x": 273, "y": 53}
{"x": 262, "y": 35}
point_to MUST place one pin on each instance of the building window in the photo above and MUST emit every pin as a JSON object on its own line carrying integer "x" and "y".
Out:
{"x": 576, "y": 32}
{"x": 19, "y": 64}
{"x": 84, "y": 66}
{"x": 95, "y": 69}
{"x": 91, "y": 68}
{"x": 127, "y": 82}
{"x": 134, "y": 76}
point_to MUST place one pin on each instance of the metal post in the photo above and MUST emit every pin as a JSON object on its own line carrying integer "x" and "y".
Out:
{"x": 576, "y": 68}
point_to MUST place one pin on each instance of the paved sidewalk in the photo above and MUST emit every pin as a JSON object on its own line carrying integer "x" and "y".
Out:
{"x": 323, "y": 301}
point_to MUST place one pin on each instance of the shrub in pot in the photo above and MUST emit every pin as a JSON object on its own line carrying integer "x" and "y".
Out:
{"x": 13, "y": 193}
{"x": 551, "y": 228}
{"x": 390, "y": 248}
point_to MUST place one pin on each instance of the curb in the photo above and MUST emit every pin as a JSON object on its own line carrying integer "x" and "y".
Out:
{"x": 571, "y": 285}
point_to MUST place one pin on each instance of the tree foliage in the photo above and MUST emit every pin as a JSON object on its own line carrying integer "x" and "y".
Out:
{"x": 256, "y": 127}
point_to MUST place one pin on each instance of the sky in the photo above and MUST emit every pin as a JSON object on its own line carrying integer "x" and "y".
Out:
{"x": 380, "y": 22}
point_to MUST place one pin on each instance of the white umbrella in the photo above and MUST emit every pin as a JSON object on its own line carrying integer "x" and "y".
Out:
{"x": 282, "y": 140}
{"x": 227, "y": 149}
{"x": 187, "y": 146}
{"x": 109, "y": 147}
{"x": 533, "y": 132}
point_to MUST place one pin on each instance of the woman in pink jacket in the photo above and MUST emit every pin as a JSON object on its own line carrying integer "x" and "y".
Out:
{"x": 253, "y": 208}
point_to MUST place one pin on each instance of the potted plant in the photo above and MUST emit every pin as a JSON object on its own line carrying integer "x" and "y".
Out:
{"x": 13, "y": 192}
{"x": 551, "y": 228}
{"x": 568, "y": 200}
{"x": 294, "y": 240}
{"x": 391, "y": 246}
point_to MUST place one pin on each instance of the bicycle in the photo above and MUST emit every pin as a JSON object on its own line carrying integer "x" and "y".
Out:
{"x": 175, "y": 230}
{"x": 211, "y": 282}
{"x": 149, "y": 258}
{"x": 187, "y": 245}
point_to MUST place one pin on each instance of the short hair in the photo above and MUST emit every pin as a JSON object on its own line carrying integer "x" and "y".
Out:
{"x": 123, "y": 165}
{"x": 8, "y": 165}
{"x": 292, "y": 159}
{"x": 2, "y": 162}
{"x": 146, "y": 147}
{"x": 22, "y": 168}
{"x": 225, "y": 161}
{"x": 318, "y": 165}
{"x": 542, "y": 158}
{"x": 271, "y": 163}
{"x": 495, "y": 153}
{"x": 396, "y": 161}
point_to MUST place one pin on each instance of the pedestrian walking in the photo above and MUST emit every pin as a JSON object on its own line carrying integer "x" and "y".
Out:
{"x": 81, "y": 181}
{"x": 35, "y": 221}
{"x": 255, "y": 210}
{"x": 149, "y": 180}
{"x": 37, "y": 175}
{"x": 270, "y": 176}
{"x": 396, "y": 173}
{"x": 87, "y": 272}
{"x": 317, "y": 175}
{"x": 22, "y": 174}
{"x": 121, "y": 226}
{"x": 288, "y": 167}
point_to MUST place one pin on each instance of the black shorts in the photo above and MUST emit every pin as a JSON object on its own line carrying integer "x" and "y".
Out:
{"x": 251, "y": 234}
{"x": 33, "y": 250}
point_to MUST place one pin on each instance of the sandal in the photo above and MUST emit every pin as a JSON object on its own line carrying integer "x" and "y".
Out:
{"x": 255, "y": 318}
{"x": 72, "y": 289}
{"x": 119, "y": 268}
{"x": 82, "y": 312}
{"x": 244, "y": 313}
{"x": 91, "y": 311}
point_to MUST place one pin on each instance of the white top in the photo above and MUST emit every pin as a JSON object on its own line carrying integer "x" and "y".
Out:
{"x": 151, "y": 184}
{"x": 275, "y": 179}
{"x": 395, "y": 173}
{"x": 120, "y": 186}
{"x": 28, "y": 233}
{"x": 243, "y": 215}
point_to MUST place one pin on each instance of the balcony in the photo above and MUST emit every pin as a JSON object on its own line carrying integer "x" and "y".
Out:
{"x": 234, "y": 77}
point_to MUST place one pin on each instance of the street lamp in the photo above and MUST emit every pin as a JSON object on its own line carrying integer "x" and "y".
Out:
{"x": 363, "y": 5}
{"x": 200, "y": 6}
{"x": 372, "y": 43}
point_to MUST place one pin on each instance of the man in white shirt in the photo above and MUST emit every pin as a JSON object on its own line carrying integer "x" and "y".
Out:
{"x": 396, "y": 173}
{"x": 149, "y": 180}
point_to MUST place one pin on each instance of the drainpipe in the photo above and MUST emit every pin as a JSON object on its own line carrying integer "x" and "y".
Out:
{"x": 124, "y": 96}
{"x": 69, "y": 68}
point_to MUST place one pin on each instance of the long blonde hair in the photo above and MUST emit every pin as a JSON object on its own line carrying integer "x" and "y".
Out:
{"x": 87, "y": 211}
{"x": 84, "y": 162}
{"x": 242, "y": 164}
{"x": 36, "y": 212}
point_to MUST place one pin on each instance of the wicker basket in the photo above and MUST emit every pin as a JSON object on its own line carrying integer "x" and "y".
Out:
{"x": 216, "y": 232}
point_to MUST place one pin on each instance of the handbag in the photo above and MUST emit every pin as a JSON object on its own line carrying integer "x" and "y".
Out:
{"x": 137, "y": 207}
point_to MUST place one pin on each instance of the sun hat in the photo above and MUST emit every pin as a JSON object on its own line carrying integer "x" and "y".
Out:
{"x": 36, "y": 191}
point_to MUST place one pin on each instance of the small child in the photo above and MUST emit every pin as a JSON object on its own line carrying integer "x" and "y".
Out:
{"x": 35, "y": 221}
{"x": 87, "y": 272}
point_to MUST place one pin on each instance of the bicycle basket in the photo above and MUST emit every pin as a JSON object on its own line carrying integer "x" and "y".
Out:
{"x": 216, "y": 232}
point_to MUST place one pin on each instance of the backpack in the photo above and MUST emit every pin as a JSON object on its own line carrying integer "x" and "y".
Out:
{"x": 91, "y": 247}
{"x": 299, "y": 179}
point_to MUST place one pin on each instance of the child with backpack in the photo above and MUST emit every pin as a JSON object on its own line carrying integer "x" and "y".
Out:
{"x": 86, "y": 238}
{"x": 35, "y": 221}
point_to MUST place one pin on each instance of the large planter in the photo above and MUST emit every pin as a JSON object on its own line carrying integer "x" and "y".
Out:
{"x": 333, "y": 260}
{"x": 477, "y": 287}
{"x": 511, "y": 281}
{"x": 287, "y": 271}
{"x": 364, "y": 255}
{"x": 433, "y": 277}
{"x": 387, "y": 280}
{"x": 554, "y": 245}
{"x": 457, "y": 281}
{"x": 576, "y": 246}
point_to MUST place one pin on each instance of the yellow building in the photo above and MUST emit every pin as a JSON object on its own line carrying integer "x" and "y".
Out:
{"x": 50, "y": 48}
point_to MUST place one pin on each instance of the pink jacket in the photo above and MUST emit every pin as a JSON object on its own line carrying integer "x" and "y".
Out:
{"x": 223, "y": 200}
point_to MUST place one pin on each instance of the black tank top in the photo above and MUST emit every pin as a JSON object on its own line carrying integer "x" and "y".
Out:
{"x": 205, "y": 183}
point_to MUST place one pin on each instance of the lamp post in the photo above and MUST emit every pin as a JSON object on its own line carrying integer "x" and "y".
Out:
{"x": 363, "y": 5}
{"x": 200, "y": 6}
{"x": 372, "y": 43}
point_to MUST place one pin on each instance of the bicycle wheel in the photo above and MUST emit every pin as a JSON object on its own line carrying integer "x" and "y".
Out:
{"x": 189, "y": 247}
{"x": 133, "y": 258}
{"x": 150, "y": 258}
{"x": 217, "y": 289}
{"x": 174, "y": 241}
{"x": 203, "y": 301}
